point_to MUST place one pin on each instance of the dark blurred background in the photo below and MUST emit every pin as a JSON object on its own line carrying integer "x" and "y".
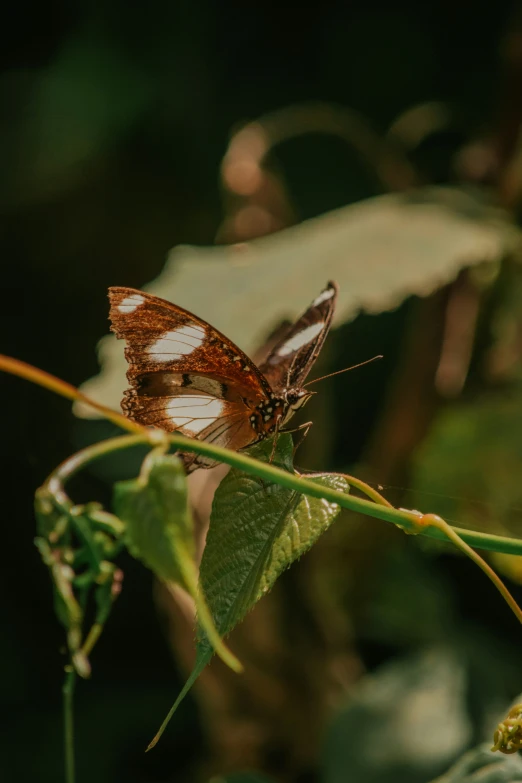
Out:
{"x": 114, "y": 121}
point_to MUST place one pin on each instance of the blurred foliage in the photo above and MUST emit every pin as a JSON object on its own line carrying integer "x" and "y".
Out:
{"x": 405, "y": 722}
{"x": 468, "y": 470}
{"x": 114, "y": 126}
{"x": 242, "y": 777}
{"x": 478, "y": 766}
{"x": 468, "y": 467}
{"x": 75, "y": 110}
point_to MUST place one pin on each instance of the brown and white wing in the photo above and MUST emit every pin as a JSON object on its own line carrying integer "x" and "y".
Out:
{"x": 292, "y": 357}
{"x": 194, "y": 405}
{"x": 161, "y": 336}
{"x": 184, "y": 375}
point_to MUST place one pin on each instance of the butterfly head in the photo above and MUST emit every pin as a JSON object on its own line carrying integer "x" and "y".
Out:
{"x": 293, "y": 400}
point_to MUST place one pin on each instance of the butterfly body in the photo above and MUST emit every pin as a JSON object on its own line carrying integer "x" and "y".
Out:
{"x": 276, "y": 411}
{"x": 185, "y": 376}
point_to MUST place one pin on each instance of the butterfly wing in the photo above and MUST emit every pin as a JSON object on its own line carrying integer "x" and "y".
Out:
{"x": 184, "y": 375}
{"x": 292, "y": 357}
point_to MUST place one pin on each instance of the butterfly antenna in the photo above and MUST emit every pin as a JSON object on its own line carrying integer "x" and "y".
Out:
{"x": 346, "y": 369}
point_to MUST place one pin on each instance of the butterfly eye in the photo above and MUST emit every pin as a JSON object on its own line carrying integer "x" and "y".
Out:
{"x": 297, "y": 399}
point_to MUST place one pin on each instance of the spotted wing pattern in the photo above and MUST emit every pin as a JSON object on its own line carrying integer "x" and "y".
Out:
{"x": 184, "y": 375}
{"x": 292, "y": 357}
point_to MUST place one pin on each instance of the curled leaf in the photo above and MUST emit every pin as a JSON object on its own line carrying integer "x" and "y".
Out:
{"x": 159, "y": 532}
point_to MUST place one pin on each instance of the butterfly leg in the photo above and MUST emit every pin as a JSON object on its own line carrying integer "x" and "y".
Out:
{"x": 274, "y": 446}
{"x": 306, "y": 427}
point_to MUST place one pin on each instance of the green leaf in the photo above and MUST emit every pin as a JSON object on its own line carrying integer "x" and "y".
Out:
{"x": 248, "y": 516}
{"x": 159, "y": 532}
{"x": 256, "y": 531}
{"x": 158, "y": 524}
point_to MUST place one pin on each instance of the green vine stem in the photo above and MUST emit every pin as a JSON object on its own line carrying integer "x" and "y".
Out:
{"x": 52, "y": 383}
{"x": 408, "y": 520}
{"x": 404, "y": 518}
{"x": 434, "y": 521}
{"x": 413, "y": 522}
{"x": 68, "y": 723}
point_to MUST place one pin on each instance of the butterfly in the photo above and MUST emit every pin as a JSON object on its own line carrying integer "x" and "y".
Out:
{"x": 187, "y": 377}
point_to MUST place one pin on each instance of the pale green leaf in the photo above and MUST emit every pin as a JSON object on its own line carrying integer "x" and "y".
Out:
{"x": 380, "y": 251}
